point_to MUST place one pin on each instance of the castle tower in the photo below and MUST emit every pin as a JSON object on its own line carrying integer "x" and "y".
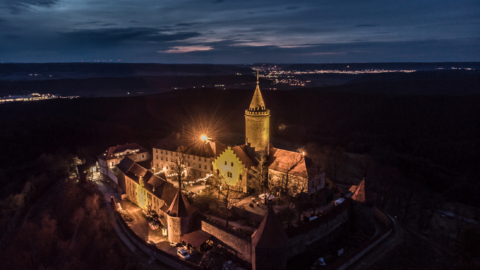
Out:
{"x": 257, "y": 126}
{"x": 269, "y": 244}
{"x": 364, "y": 208}
{"x": 179, "y": 218}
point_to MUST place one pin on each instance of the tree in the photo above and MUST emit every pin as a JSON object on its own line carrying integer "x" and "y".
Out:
{"x": 259, "y": 174}
{"x": 178, "y": 165}
{"x": 224, "y": 190}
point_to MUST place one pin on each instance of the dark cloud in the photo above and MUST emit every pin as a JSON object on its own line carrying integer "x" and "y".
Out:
{"x": 112, "y": 36}
{"x": 17, "y": 6}
{"x": 292, "y": 8}
{"x": 187, "y": 24}
{"x": 366, "y": 25}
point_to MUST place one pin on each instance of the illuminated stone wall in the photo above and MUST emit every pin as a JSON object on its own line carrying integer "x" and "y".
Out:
{"x": 163, "y": 158}
{"x": 231, "y": 169}
{"x": 178, "y": 226}
{"x": 257, "y": 132}
{"x": 142, "y": 197}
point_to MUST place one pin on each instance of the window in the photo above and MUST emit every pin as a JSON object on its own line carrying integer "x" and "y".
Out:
{"x": 218, "y": 172}
{"x": 188, "y": 164}
{"x": 166, "y": 152}
{"x": 176, "y": 154}
{"x": 229, "y": 174}
{"x": 166, "y": 159}
{"x": 205, "y": 167}
{"x": 156, "y": 157}
{"x": 232, "y": 164}
{"x": 156, "y": 151}
{"x": 188, "y": 156}
{"x": 161, "y": 158}
{"x": 161, "y": 151}
{"x": 193, "y": 157}
{"x": 211, "y": 167}
{"x": 143, "y": 156}
{"x": 205, "y": 159}
{"x": 193, "y": 165}
{"x": 240, "y": 177}
{"x": 225, "y": 163}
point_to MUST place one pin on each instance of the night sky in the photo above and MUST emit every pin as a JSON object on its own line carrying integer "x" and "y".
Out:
{"x": 216, "y": 31}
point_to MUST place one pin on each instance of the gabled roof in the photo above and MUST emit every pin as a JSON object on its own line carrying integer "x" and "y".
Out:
{"x": 180, "y": 206}
{"x": 111, "y": 151}
{"x": 287, "y": 162}
{"x": 363, "y": 194}
{"x": 191, "y": 145}
{"x": 241, "y": 153}
{"x": 125, "y": 164}
{"x": 270, "y": 233}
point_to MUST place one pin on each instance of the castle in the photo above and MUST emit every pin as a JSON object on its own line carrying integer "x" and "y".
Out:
{"x": 272, "y": 244}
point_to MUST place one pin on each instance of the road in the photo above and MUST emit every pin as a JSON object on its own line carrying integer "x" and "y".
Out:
{"x": 145, "y": 260}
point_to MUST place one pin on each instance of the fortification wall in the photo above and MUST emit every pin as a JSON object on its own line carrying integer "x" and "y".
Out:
{"x": 322, "y": 230}
{"x": 241, "y": 245}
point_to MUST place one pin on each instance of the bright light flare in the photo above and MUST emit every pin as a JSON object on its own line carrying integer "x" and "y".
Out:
{"x": 204, "y": 138}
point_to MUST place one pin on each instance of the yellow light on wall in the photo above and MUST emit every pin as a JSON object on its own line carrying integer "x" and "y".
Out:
{"x": 229, "y": 166}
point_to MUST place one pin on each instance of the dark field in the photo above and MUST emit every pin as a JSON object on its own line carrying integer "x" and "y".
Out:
{"x": 423, "y": 144}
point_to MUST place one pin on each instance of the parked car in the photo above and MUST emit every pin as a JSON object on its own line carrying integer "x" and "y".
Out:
{"x": 182, "y": 253}
{"x": 151, "y": 243}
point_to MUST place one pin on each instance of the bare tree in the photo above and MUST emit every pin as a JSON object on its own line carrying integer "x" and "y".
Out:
{"x": 229, "y": 197}
{"x": 178, "y": 165}
{"x": 259, "y": 174}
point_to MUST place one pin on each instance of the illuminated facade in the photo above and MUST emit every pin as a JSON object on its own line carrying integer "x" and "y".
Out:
{"x": 113, "y": 155}
{"x": 257, "y": 126}
{"x": 198, "y": 156}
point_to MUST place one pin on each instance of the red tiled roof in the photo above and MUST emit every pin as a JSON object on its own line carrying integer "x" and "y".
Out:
{"x": 125, "y": 164}
{"x": 111, "y": 151}
{"x": 241, "y": 153}
{"x": 196, "y": 238}
{"x": 270, "y": 233}
{"x": 287, "y": 162}
{"x": 363, "y": 194}
{"x": 180, "y": 206}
